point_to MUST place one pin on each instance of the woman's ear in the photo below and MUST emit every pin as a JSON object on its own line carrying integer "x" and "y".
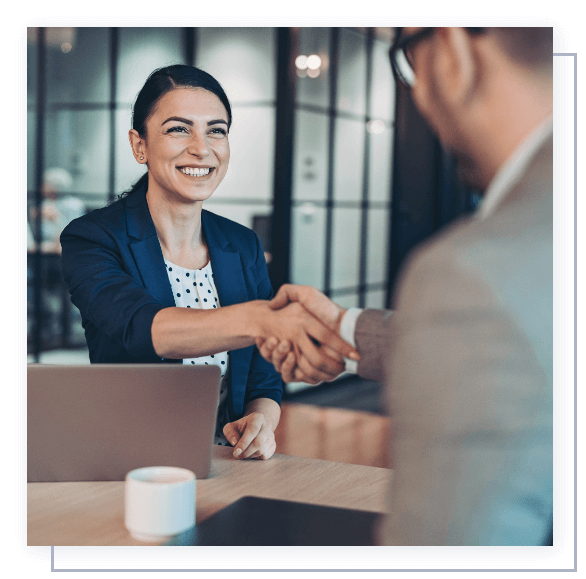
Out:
{"x": 138, "y": 146}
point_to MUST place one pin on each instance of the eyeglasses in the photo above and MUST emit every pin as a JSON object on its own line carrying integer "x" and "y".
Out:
{"x": 401, "y": 53}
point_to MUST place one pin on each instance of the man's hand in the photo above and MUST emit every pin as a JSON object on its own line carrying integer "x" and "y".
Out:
{"x": 314, "y": 301}
{"x": 292, "y": 364}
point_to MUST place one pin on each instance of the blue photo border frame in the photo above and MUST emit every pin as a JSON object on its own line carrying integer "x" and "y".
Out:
{"x": 167, "y": 558}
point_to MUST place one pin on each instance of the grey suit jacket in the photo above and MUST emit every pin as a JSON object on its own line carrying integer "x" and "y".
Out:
{"x": 467, "y": 359}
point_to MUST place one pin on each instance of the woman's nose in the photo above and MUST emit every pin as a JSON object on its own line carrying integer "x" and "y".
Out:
{"x": 199, "y": 146}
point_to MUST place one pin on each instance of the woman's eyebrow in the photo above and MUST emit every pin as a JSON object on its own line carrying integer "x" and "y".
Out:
{"x": 180, "y": 119}
{"x": 190, "y": 123}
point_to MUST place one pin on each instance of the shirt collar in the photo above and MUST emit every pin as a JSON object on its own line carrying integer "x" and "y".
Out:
{"x": 514, "y": 168}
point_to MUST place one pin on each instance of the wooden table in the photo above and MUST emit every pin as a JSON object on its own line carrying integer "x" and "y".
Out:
{"x": 92, "y": 513}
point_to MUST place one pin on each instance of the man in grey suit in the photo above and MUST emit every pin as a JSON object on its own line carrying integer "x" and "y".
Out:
{"x": 467, "y": 354}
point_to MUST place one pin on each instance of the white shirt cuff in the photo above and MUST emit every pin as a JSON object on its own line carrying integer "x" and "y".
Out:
{"x": 347, "y": 327}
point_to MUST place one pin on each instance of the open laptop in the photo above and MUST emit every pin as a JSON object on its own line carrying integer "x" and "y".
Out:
{"x": 98, "y": 422}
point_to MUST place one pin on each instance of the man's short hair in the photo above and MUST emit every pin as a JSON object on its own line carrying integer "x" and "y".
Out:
{"x": 531, "y": 47}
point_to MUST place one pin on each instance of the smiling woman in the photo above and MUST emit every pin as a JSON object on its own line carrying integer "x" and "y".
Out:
{"x": 158, "y": 279}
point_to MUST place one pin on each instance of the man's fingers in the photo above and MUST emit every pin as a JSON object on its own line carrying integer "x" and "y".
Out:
{"x": 318, "y": 359}
{"x": 328, "y": 338}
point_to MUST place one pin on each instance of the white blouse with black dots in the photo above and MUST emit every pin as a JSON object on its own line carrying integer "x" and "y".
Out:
{"x": 195, "y": 288}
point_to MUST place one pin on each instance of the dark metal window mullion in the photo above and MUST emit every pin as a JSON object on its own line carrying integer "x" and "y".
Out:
{"x": 189, "y": 38}
{"x": 362, "y": 267}
{"x": 114, "y": 42}
{"x": 334, "y": 60}
{"x": 280, "y": 266}
{"x": 40, "y": 169}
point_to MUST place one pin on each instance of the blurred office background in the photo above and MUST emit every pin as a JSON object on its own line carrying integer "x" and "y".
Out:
{"x": 330, "y": 162}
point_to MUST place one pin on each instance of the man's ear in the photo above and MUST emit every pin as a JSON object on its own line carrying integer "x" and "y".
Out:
{"x": 458, "y": 65}
{"x": 138, "y": 146}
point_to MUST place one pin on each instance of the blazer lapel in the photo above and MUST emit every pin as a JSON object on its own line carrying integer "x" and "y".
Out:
{"x": 146, "y": 249}
{"x": 226, "y": 264}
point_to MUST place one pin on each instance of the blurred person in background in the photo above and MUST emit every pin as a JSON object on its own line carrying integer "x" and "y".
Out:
{"x": 57, "y": 209}
{"x": 467, "y": 354}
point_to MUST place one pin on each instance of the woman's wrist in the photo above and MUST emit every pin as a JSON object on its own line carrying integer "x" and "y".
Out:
{"x": 255, "y": 318}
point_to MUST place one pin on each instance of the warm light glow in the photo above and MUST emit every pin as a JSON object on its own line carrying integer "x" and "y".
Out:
{"x": 312, "y": 73}
{"x": 301, "y": 62}
{"x": 375, "y": 127}
{"x": 65, "y": 47}
{"x": 313, "y": 62}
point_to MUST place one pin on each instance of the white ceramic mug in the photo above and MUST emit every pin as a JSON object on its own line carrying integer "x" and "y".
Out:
{"x": 159, "y": 502}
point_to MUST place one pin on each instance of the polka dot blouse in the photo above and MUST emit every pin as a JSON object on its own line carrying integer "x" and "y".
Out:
{"x": 195, "y": 288}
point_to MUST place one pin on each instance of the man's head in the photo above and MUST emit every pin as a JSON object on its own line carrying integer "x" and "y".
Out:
{"x": 481, "y": 89}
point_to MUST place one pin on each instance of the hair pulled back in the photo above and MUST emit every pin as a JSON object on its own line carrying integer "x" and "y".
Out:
{"x": 158, "y": 84}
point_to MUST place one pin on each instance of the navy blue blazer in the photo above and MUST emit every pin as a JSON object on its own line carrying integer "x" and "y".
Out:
{"x": 114, "y": 268}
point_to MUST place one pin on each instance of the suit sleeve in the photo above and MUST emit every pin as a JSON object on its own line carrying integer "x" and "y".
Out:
{"x": 263, "y": 380}
{"x": 371, "y": 336}
{"x": 105, "y": 294}
{"x": 472, "y": 416}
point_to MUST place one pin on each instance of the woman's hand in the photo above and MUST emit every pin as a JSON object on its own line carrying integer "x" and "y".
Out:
{"x": 252, "y": 437}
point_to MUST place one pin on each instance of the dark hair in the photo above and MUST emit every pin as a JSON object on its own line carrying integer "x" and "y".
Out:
{"x": 158, "y": 84}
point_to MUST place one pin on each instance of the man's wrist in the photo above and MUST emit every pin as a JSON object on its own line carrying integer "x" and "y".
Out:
{"x": 348, "y": 325}
{"x": 347, "y": 328}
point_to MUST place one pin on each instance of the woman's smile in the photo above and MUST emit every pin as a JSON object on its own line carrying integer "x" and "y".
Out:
{"x": 196, "y": 171}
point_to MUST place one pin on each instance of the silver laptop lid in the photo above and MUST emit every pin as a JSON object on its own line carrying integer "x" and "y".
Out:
{"x": 97, "y": 422}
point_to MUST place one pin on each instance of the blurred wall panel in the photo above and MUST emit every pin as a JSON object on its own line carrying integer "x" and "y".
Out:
{"x": 351, "y": 94}
{"x": 308, "y": 248}
{"x": 314, "y": 90}
{"x": 310, "y": 156}
{"x": 241, "y": 59}
{"x": 142, "y": 50}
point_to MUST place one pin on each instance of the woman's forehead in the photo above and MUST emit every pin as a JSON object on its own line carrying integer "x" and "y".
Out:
{"x": 191, "y": 101}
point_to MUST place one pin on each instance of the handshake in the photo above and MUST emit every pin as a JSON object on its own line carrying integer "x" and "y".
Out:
{"x": 300, "y": 335}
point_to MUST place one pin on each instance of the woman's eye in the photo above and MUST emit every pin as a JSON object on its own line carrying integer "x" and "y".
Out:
{"x": 177, "y": 129}
{"x": 218, "y": 131}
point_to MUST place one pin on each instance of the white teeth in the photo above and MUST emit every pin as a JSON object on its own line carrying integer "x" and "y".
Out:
{"x": 194, "y": 171}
